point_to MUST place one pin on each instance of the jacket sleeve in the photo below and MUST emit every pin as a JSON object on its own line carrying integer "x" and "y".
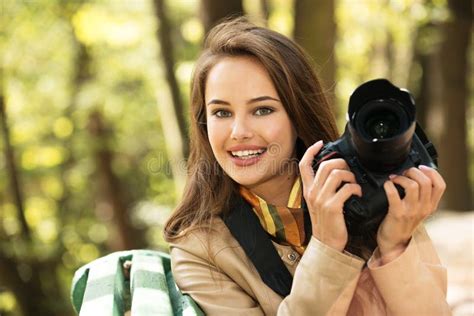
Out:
{"x": 322, "y": 275}
{"x": 415, "y": 283}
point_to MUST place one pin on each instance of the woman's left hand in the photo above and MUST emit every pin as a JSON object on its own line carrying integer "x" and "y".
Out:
{"x": 423, "y": 187}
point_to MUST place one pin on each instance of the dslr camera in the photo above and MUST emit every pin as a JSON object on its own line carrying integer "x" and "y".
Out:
{"x": 381, "y": 138}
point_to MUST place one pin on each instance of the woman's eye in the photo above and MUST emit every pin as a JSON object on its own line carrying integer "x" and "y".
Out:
{"x": 263, "y": 111}
{"x": 222, "y": 113}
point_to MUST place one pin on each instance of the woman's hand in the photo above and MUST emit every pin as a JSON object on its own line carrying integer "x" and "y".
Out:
{"x": 423, "y": 187}
{"x": 325, "y": 197}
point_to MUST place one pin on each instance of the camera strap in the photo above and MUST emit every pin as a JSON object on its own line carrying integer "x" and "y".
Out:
{"x": 245, "y": 227}
{"x": 331, "y": 155}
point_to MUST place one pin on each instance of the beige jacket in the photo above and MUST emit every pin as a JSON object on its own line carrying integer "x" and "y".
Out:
{"x": 325, "y": 281}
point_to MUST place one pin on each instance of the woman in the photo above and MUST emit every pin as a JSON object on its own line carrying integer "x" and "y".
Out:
{"x": 258, "y": 232}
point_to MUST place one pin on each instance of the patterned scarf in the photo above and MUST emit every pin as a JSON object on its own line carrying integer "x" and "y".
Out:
{"x": 284, "y": 223}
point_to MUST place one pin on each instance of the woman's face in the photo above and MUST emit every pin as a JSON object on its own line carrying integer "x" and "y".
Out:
{"x": 249, "y": 130}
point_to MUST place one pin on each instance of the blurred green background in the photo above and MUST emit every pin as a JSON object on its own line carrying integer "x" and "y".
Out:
{"x": 93, "y": 114}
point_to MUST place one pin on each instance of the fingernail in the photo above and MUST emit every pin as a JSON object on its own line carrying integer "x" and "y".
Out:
{"x": 319, "y": 142}
{"x": 424, "y": 167}
{"x": 392, "y": 176}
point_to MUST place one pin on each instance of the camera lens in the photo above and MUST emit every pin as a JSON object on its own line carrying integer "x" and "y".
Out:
{"x": 381, "y": 119}
{"x": 381, "y": 128}
{"x": 382, "y": 125}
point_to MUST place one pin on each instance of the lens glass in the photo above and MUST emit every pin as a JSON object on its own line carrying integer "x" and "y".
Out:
{"x": 382, "y": 125}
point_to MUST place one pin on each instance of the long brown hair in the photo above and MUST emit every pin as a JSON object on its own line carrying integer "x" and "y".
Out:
{"x": 208, "y": 189}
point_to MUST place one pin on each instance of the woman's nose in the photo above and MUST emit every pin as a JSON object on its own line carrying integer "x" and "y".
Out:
{"x": 241, "y": 129}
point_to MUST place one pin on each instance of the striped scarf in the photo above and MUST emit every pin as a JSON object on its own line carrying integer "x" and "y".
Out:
{"x": 284, "y": 223}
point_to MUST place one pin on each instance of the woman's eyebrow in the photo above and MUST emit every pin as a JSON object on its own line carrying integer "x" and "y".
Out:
{"x": 262, "y": 98}
{"x": 217, "y": 101}
{"x": 253, "y": 100}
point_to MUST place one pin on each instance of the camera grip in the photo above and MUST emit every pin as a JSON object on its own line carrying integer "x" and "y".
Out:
{"x": 323, "y": 156}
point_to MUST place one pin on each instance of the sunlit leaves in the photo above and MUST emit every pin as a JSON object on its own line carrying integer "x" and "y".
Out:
{"x": 193, "y": 30}
{"x": 42, "y": 157}
{"x": 76, "y": 179}
{"x": 81, "y": 242}
{"x": 94, "y": 24}
{"x": 52, "y": 187}
{"x": 47, "y": 230}
{"x": 63, "y": 127}
{"x": 149, "y": 213}
{"x": 10, "y": 224}
{"x": 7, "y": 301}
{"x": 39, "y": 209}
{"x": 88, "y": 252}
{"x": 184, "y": 71}
{"x": 281, "y": 18}
{"x": 98, "y": 233}
{"x": 184, "y": 7}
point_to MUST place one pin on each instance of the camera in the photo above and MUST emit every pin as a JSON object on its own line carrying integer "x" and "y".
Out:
{"x": 381, "y": 138}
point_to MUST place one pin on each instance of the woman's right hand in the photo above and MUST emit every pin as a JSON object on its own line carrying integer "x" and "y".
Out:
{"x": 325, "y": 197}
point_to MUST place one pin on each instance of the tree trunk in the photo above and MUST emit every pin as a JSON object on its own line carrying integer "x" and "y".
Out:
{"x": 110, "y": 199}
{"x": 24, "y": 293}
{"x": 11, "y": 167}
{"x": 164, "y": 38}
{"x": 315, "y": 31}
{"x": 265, "y": 9}
{"x": 169, "y": 102}
{"x": 212, "y": 11}
{"x": 425, "y": 82}
{"x": 455, "y": 68}
{"x": 82, "y": 75}
{"x": 422, "y": 74}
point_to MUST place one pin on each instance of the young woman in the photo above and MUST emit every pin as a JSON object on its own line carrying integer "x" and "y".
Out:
{"x": 258, "y": 231}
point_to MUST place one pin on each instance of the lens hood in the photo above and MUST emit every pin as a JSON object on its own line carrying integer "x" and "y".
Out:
{"x": 377, "y": 107}
{"x": 380, "y": 89}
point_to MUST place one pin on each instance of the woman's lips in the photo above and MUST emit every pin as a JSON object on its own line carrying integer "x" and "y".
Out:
{"x": 243, "y": 162}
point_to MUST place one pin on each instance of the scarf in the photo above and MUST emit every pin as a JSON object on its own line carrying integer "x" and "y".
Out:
{"x": 286, "y": 224}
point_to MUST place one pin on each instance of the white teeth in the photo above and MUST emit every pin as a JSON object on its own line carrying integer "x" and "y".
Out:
{"x": 247, "y": 153}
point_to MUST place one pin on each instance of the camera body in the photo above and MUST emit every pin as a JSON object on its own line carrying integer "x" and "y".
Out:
{"x": 380, "y": 138}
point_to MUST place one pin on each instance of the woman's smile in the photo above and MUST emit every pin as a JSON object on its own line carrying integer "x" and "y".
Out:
{"x": 243, "y": 156}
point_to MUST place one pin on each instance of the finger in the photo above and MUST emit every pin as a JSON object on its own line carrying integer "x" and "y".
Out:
{"x": 425, "y": 186}
{"x": 411, "y": 187}
{"x": 438, "y": 183}
{"x": 306, "y": 163}
{"x": 325, "y": 169}
{"x": 345, "y": 192}
{"x": 394, "y": 201}
{"x": 334, "y": 182}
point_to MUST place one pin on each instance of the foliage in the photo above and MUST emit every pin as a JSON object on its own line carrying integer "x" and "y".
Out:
{"x": 63, "y": 61}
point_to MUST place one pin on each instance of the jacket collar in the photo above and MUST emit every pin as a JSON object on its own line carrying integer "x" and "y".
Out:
{"x": 245, "y": 227}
